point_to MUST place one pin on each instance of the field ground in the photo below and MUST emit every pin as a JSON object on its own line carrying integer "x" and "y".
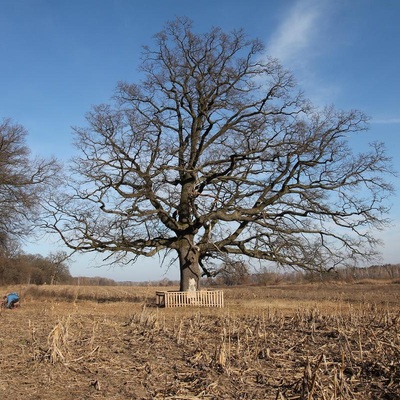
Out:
{"x": 276, "y": 342}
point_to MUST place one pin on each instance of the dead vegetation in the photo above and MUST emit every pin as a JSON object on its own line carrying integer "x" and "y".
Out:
{"x": 281, "y": 343}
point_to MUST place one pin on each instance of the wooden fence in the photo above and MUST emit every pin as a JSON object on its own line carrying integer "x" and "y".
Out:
{"x": 201, "y": 298}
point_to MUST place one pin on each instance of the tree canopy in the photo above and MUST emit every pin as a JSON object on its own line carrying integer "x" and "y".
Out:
{"x": 24, "y": 181}
{"x": 216, "y": 154}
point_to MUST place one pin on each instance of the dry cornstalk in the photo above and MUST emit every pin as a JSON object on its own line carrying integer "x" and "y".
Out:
{"x": 58, "y": 341}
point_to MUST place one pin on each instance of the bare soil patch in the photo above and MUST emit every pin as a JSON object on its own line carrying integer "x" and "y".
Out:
{"x": 286, "y": 342}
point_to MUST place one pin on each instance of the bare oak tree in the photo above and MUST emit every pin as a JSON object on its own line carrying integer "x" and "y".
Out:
{"x": 216, "y": 154}
{"x": 24, "y": 182}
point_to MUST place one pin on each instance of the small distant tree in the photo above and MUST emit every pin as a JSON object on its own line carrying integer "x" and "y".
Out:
{"x": 214, "y": 154}
{"x": 267, "y": 277}
{"x": 57, "y": 268}
{"x": 233, "y": 273}
{"x": 393, "y": 271}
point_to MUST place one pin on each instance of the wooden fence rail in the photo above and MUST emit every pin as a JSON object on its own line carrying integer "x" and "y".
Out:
{"x": 201, "y": 298}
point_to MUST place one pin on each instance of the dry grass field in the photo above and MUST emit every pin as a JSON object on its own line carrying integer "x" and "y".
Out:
{"x": 276, "y": 342}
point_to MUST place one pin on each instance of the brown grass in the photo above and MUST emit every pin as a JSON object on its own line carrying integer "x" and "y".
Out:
{"x": 282, "y": 342}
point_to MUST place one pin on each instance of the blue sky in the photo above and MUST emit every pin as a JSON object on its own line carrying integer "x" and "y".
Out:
{"x": 60, "y": 58}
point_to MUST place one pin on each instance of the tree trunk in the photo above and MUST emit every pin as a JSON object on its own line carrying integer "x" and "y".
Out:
{"x": 189, "y": 263}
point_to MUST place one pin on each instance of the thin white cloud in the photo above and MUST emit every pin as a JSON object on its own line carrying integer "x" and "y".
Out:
{"x": 294, "y": 33}
{"x": 297, "y": 32}
{"x": 300, "y": 38}
{"x": 385, "y": 120}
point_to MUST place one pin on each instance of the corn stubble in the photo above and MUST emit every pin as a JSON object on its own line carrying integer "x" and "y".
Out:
{"x": 122, "y": 350}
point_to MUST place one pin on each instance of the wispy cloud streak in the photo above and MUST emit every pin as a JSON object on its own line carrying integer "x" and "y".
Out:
{"x": 299, "y": 40}
{"x": 294, "y": 38}
{"x": 385, "y": 121}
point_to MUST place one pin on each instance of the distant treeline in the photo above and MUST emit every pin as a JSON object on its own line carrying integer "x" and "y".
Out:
{"x": 241, "y": 276}
{"x": 34, "y": 269}
{"x": 39, "y": 270}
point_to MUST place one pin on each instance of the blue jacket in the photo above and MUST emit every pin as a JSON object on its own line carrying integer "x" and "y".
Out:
{"x": 12, "y": 297}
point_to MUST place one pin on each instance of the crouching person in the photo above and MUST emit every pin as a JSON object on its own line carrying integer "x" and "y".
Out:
{"x": 11, "y": 300}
